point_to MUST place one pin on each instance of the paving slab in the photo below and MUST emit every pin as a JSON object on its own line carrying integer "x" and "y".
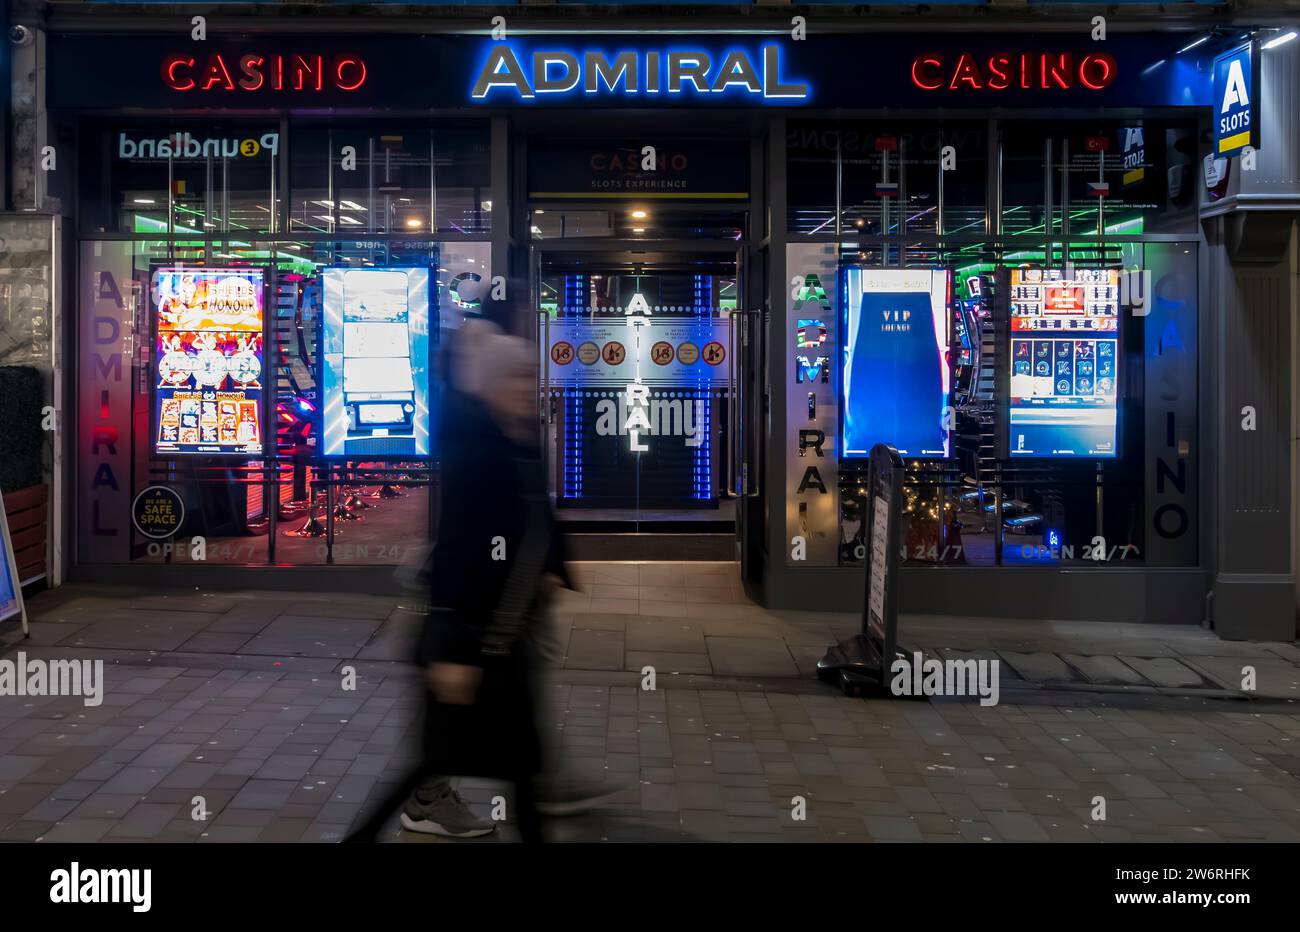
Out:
{"x": 1040, "y": 667}
{"x": 1166, "y": 671}
{"x": 1106, "y": 670}
{"x": 751, "y": 657}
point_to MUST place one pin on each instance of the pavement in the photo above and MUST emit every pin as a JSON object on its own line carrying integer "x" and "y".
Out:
{"x": 226, "y": 717}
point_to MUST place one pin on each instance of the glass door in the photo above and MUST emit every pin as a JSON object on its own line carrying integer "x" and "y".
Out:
{"x": 638, "y": 366}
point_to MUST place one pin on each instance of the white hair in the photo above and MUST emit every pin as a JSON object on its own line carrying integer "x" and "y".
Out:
{"x": 484, "y": 355}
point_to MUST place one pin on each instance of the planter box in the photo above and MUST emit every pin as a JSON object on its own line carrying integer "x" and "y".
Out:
{"x": 29, "y": 526}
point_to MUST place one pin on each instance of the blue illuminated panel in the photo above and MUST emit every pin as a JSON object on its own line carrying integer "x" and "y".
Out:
{"x": 374, "y": 362}
{"x": 896, "y": 380}
{"x": 573, "y": 301}
{"x": 702, "y": 482}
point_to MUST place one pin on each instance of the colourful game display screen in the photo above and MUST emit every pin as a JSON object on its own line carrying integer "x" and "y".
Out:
{"x": 209, "y": 341}
{"x": 896, "y": 377}
{"x": 1064, "y": 378}
{"x": 375, "y": 347}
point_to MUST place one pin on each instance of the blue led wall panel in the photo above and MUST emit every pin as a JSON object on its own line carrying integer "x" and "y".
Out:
{"x": 896, "y": 378}
{"x": 374, "y": 361}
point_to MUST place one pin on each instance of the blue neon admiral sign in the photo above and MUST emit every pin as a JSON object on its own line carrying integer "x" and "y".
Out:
{"x": 513, "y": 73}
{"x": 1236, "y": 92}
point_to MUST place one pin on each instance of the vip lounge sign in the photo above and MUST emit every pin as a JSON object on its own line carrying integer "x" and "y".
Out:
{"x": 1236, "y": 96}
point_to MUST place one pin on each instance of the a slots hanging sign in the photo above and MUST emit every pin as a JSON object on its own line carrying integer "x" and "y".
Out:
{"x": 1236, "y": 90}
{"x": 209, "y": 339}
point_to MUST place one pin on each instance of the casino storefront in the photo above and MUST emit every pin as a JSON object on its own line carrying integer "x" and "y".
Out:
{"x": 747, "y": 260}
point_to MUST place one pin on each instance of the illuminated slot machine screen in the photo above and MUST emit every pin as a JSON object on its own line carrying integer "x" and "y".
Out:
{"x": 1064, "y": 371}
{"x": 896, "y": 380}
{"x": 375, "y": 363}
{"x": 209, "y": 373}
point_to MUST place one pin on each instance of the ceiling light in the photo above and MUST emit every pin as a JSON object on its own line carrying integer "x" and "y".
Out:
{"x": 1192, "y": 45}
{"x": 350, "y": 205}
{"x": 143, "y": 200}
{"x": 539, "y": 211}
{"x": 487, "y": 206}
{"x": 1279, "y": 40}
{"x": 638, "y": 229}
{"x": 639, "y": 215}
{"x": 329, "y": 204}
{"x": 413, "y": 223}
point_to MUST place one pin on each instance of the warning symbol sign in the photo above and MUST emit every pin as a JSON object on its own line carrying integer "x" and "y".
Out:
{"x": 714, "y": 353}
{"x": 588, "y": 353}
{"x": 562, "y": 353}
{"x": 661, "y": 353}
{"x": 613, "y": 353}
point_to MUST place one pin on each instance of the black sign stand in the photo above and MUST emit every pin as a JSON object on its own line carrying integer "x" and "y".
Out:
{"x": 861, "y": 663}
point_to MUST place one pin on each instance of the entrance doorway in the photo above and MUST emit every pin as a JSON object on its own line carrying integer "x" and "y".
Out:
{"x": 640, "y": 376}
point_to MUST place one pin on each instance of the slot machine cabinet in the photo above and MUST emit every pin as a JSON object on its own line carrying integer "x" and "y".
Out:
{"x": 378, "y": 386}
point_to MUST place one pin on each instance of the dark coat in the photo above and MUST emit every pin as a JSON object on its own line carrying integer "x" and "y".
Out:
{"x": 493, "y": 503}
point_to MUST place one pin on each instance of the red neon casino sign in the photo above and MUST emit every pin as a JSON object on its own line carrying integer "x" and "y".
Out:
{"x": 1041, "y": 71}
{"x": 253, "y": 72}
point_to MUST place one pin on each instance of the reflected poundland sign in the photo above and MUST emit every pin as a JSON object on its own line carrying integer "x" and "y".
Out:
{"x": 187, "y": 146}
{"x": 510, "y": 73}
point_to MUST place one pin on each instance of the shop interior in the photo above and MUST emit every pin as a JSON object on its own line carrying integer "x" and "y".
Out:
{"x": 648, "y": 390}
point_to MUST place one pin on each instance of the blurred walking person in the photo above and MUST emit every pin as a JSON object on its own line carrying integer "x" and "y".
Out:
{"x": 497, "y": 559}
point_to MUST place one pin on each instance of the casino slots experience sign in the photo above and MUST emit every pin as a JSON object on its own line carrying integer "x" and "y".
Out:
{"x": 209, "y": 340}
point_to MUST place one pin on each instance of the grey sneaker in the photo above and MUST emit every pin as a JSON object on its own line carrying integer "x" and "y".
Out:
{"x": 448, "y": 815}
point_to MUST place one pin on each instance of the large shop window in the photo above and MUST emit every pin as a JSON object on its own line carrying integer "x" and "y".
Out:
{"x": 1108, "y": 177}
{"x": 1068, "y": 407}
{"x": 887, "y": 178}
{"x": 1075, "y": 178}
{"x": 284, "y": 391}
{"x": 178, "y": 177}
{"x": 403, "y": 178}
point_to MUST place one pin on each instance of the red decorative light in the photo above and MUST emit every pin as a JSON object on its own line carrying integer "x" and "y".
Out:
{"x": 1048, "y": 71}
{"x": 1097, "y": 70}
{"x": 170, "y": 65}
{"x": 355, "y": 67}
{"x": 307, "y": 73}
{"x": 925, "y": 81}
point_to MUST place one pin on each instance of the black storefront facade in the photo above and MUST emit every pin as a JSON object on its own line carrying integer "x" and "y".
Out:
{"x": 724, "y": 201}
